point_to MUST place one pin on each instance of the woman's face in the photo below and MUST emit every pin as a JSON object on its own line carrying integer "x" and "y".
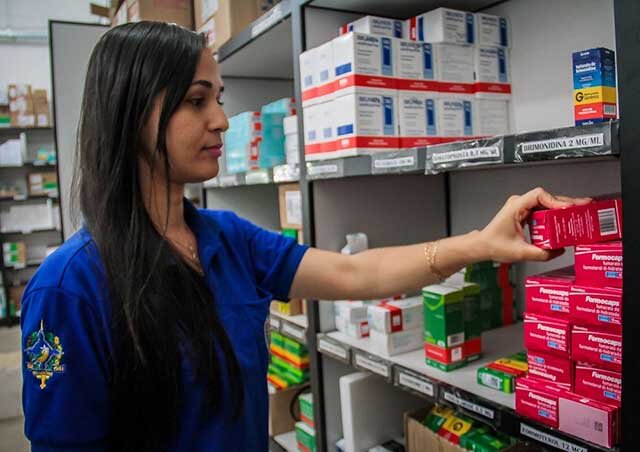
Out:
{"x": 194, "y": 132}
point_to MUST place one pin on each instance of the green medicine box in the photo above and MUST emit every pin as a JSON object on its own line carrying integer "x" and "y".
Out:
{"x": 443, "y": 315}
{"x": 306, "y": 436}
{"x": 472, "y": 319}
{"x": 306, "y": 407}
{"x": 496, "y": 379}
{"x": 277, "y": 339}
{"x": 295, "y": 348}
{"x": 445, "y": 367}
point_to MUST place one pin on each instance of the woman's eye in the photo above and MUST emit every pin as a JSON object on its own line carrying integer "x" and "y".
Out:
{"x": 196, "y": 101}
{"x": 220, "y": 101}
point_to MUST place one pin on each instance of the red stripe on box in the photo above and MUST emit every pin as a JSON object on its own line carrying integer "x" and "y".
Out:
{"x": 497, "y": 88}
{"x": 472, "y": 347}
{"x": 307, "y": 421}
{"x": 395, "y": 313}
{"x": 413, "y": 35}
{"x": 418, "y": 85}
{"x": 366, "y": 142}
{"x": 413, "y": 142}
{"x": 460, "y": 88}
{"x": 309, "y": 94}
{"x": 365, "y": 81}
{"x": 592, "y": 111}
{"x": 325, "y": 89}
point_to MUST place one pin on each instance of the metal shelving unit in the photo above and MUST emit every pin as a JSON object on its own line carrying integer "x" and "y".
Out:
{"x": 390, "y": 191}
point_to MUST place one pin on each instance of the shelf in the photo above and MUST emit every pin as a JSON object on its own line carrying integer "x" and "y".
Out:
{"x": 262, "y": 50}
{"x": 276, "y": 175}
{"x": 29, "y": 231}
{"x": 287, "y": 441}
{"x": 13, "y": 130}
{"x": 9, "y": 321}
{"x": 299, "y": 320}
{"x": 401, "y": 10}
{"x": 458, "y": 388}
{"x": 30, "y": 166}
{"x": 23, "y": 198}
{"x": 294, "y": 327}
{"x": 24, "y": 266}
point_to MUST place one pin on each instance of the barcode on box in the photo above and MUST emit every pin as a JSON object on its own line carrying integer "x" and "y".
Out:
{"x": 609, "y": 109}
{"x": 608, "y": 222}
{"x": 455, "y": 339}
{"x": 492, "y": 381}
{"x": 598, "y": 426}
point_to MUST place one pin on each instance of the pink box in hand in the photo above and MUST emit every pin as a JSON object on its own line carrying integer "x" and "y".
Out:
{"x": 547, "y": 334}
{"x": 599, "y": 264}
{"x": 538, "y": 400}
{"x": 599, "y": 384}
{"x": 597, "y": 306}
{"x": 589, "y": 419}
{"x": 543, "y": 366}
{"x": 598, "y": 221}
{"x": 548, "y": 293}
{"x": 596, "y": 346}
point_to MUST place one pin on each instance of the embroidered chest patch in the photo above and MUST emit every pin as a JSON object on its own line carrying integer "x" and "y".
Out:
{"x": 44, "y": 355}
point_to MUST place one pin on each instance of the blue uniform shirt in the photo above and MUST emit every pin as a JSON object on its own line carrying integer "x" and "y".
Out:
{"x": 66, "y": 338}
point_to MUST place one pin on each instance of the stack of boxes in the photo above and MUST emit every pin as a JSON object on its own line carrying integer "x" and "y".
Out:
{"x": 351, "y": 318}
{"x": 27, "y": 107}
{"x": 305, "y": 429}
{"x": 573, "y": 327}
{"x": 502, "y": 373}
{"x": 290, "y": 126}
{"x": 396, "y": 326}
{"x": 442, "y": 76}
{"x": 594, "y": 86}
{"x": 15, "y": 254}
{"x": 289, "y": 362}
{"x": 255, "y": 139}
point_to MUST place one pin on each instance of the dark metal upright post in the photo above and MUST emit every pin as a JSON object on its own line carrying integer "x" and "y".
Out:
{"x": 627, "y": 29}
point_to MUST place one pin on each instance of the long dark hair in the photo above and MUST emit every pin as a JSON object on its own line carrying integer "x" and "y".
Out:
{"x": 162, "y": 313}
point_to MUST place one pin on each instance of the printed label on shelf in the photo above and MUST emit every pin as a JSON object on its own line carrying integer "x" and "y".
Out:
{"x": 293, "y": 203}
{"x": 323, "y": 170}
{"x": 399, "y": 162}
{"x": 371, "y": 365}
{"x": 257, "y": 177}
{"x": 274, "y": 323}
{"x": 294, "y": 331}
{"x": 417, "y": 384}
{"x": 564, "y": 143}
{"x": 550, "y": 439}
{"x": 267, "y": 20}
{"x": 332, "y": 349}
{"x": 489, "y": 152}
{"x": 483, "y": 411}
{"x": 229, "y": 179}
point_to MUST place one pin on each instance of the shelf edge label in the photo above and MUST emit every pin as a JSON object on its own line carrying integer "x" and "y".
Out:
{"x": 294, "y": 331}
{"x": 486, "y": 412}
{"x": 400, "y": 162}
{"x": 562, "y": 143}
{"x": 269, "y": 18}
{"x": 489, "y": 152}
{"x": 373, "y": 366}
{"x": 415, "y": 383}
{"x": 550, "y": 440}
{"x": 274, "y": 323}
{"x": 332, "y": 349}
{"x": 322, "y": 170}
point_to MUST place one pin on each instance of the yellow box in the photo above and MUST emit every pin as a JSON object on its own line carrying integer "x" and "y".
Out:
{"x": 593, "y": 95}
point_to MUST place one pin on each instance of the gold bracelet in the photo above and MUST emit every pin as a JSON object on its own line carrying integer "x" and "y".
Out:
{"x": 430, "y": 253}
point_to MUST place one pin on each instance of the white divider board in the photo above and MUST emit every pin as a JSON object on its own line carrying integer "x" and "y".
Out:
{"x": 372, "y": 410}
{"x": 332, "y": 370}
{"x": 71, "y": 46}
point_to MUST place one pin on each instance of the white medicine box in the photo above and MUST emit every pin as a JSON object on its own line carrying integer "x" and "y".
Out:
{"x": 443, "y": 25}
{"x": 492, "y": 30}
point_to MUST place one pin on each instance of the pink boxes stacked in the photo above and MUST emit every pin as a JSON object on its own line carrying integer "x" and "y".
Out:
{"x": 573, "y": 327}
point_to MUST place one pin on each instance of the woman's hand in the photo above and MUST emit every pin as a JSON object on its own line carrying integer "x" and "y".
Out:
{"x": 504, "y": 239}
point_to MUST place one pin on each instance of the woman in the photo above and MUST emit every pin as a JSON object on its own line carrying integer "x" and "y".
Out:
{"x": 144, "y": 331}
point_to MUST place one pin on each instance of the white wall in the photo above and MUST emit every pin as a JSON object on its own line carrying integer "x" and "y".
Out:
{"x": 29, "y": 62}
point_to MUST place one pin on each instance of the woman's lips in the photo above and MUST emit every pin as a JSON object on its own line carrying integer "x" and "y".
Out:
{"x": 214, "y": 151}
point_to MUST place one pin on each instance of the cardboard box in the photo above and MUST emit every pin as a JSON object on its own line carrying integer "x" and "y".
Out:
{"x": 443, "y": 315}
{"x": 598, "y": 221}
{"x": 417, "y": 119}
{"x": 373, "y": 25}
{"x": 305, "y": 437}
{"x": 317, "y": 74}
{"x": 599, "y": 264}
{"x": 290, "y": 202}
{"x": 547, "y": 334}
{"x": 597, "y": 306}
{"x": 554, "y": 369}
{"x": 203, "y": 10}
{"x": 395, "y": 343}
{"x": 351, "y": 318}
{"x": 290, "y": 125}
{"x": 599, "y": 384}
{"x": 396, "y": 315}
{"x": 596, "y": 346}
{"x": 492, "y": 78}
{"x": 455, "y": 118}
{"x": 306, "y": 409}
{"x": 44, "y": 183}
{"x": 319, "y": 131}
{"x": 589, "y": 419}
{"x": 358, "y": 330}
{"x": 229, "y": 21}
{"x": 492, "y": 30}
{"x": 21, "y": 109}
{"x": 15, "y": 254}
{"x": 454, "y": 66}
{"x": 548, "y": 293}
{"x": 491, "y": 117}
{"x": 538, "y": 400}
{"x": 171, "y": 11}
{"x": 291, "y": 307}
{"x": 280, "y": 419}
{"x": 365, "y": 62}
{"x": 594, "y": 67}
{"x": 443, "y": 25}
{"x": 445, "y": 358}
{"x": 415, "y": 66}
{"x": 41, "y": 108}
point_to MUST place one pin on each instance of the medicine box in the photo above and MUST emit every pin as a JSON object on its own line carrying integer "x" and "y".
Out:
{"x": 319, "y": 127}
{"x": 599, "y": 384}
{"x": 445, "y": 359}
{"x": 547, "y": 334}
{"x": 491, "y": 116}
{"x": 454, "y": 117}
{"x": 415, "y": 66}
{"x": 443, "y": 25}
{"x": 597, "y": 347}
{"x": 373, "y": 25}
{"x": 395, "y": 343}
{"x": 363, "y": 61}
{"x": 271, "y": 146}
{"x": 598, "y": 221}
{"x": 306, "y": 409}
{"x": 538, "y": 400}
{"x": 305, "y": 437}
{"x": 317, "y": 74}
{"x": 492, "y": 30}
{"x": 454, "y": 65}
{"x": 589, "y": 419}
{"x": 551, "y": 368}
{"x": 597, "y": 306}
{"x": 286, "y": 106}
{"x": 594, "y": 105}
{"x": 599, "y": 264}
{"x": 594, "y": 67}
{"x": 417, "y": 119}
{"x": 548, "y": 293}
{"x": 396, "y": 315}
{"x": 491, "y": 69}
{"x": 443, "y": 315}
{"x": 242, "y": 140}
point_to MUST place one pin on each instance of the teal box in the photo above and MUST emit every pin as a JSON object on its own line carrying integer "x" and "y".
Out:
{"x": 271, "y": 150}
{"x": 241, "y": 141}
{"x": 286, "y": 106}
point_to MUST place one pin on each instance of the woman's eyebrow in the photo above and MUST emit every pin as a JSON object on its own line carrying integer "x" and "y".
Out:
{"x": 205, "y": 83}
